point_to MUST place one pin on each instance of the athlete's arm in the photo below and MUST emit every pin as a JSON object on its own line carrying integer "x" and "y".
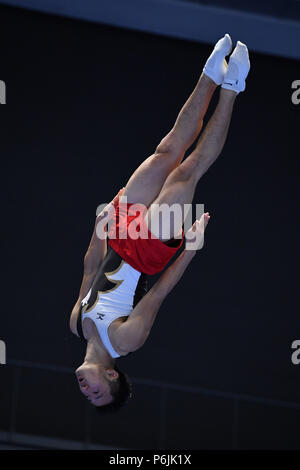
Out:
{"x": 97, "y": 248}
{"x": 132, "y": 334}
{"x": 86, "y": 284}
{"x": 93, "y": 258}
{"x": 92, "y": 261}
{"x": 172, "y": 275}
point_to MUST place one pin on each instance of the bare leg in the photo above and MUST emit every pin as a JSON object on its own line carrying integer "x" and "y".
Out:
{"x": 147, "y": 181}
{"x": 190, "y": 119}
{"x": 180, "y": 185}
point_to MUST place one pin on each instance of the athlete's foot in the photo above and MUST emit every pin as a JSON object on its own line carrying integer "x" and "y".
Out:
{"x": 238, "y": 69}
{"x": 216, "y": 65}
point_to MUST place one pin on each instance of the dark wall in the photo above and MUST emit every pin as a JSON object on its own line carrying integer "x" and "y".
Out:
{"x": 85, "y": 105}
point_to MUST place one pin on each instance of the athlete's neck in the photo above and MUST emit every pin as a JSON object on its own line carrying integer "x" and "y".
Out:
{"x": 95, "y": 351}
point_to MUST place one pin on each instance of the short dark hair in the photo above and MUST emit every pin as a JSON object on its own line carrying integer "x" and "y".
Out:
{"x": 121, "y": 391}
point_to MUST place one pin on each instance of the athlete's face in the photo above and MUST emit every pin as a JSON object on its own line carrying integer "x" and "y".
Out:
{"x": 93, "y": 381}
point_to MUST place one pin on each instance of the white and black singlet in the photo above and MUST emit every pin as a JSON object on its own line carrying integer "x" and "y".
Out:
{"x": 116, "y": 290}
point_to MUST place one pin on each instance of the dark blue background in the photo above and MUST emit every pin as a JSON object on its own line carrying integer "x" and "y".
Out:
{"x": 86, "y": 104}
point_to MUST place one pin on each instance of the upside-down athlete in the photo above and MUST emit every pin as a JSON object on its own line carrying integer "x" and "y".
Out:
{"x": 114, "y": 312}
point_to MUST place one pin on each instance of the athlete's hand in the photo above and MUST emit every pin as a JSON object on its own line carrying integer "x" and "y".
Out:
{"x": 105, "y": 215}
{"x": 195, "y": 235}
{"x": 118, "y": 195}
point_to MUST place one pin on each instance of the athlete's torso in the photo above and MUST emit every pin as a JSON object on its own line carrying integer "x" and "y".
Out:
{"x": 115, "y": 291}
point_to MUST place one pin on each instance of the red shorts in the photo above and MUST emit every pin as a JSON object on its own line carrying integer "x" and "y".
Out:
{"x": 147, "y": 253}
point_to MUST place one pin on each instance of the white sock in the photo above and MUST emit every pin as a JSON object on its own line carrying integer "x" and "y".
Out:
{"x": 238, "y": 69}
{"x": 216, "y": 65}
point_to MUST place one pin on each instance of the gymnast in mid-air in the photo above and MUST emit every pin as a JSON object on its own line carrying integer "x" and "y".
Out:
{"x": 115, "y": 309}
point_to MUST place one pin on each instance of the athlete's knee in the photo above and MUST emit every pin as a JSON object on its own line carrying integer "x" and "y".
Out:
{"x": 170, "y": 148}
{"x": 163, "y": 160}
{"x": 186, "y": 170}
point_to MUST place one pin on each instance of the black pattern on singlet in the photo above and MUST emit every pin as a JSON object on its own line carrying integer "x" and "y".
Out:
{"x": 110, "y": 263}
